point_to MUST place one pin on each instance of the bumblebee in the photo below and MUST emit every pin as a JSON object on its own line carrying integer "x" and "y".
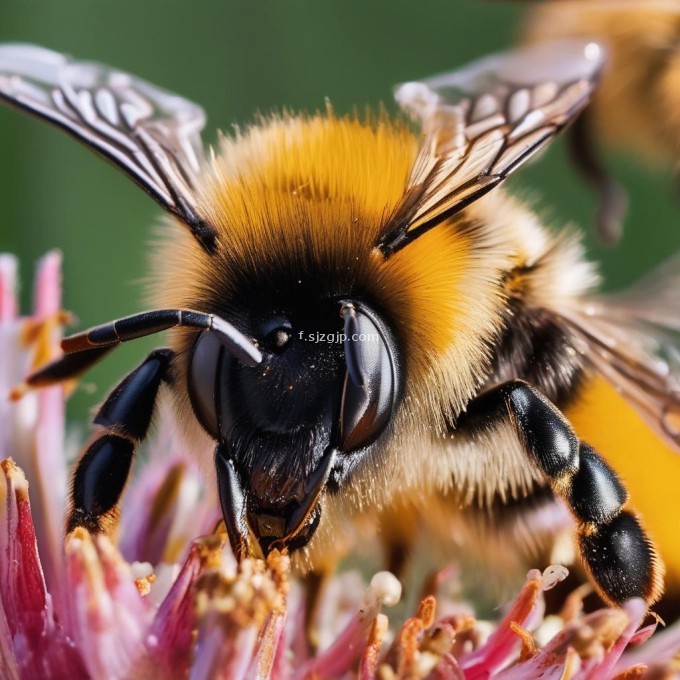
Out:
{"x": 636, "y": 106}
{"x": 362, "y": 323}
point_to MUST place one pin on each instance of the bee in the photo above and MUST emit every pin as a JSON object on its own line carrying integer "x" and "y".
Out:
{"x": 362, "y": 324}
{"x": 637, "y": 103}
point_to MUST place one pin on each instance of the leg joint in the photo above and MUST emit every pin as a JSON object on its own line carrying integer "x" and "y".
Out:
{"x": 546, "y": 433}
{"x": 596, "y": 495}
{"x": 129, "y": 408}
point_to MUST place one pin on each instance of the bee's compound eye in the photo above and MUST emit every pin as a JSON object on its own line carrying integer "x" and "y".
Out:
{"x": 206, "y": 359}
{"x": 370, "y": 387}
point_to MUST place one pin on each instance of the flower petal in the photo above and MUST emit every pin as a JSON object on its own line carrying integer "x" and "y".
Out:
{"x": 32, "y": 428}
{"x": 579, "y": 650}
{"x": 501, "y": 645}
{"x": 109, "y": 614}
{"x": 170, "y": 638}
{"x": 167, "y": 508}
{"x": 8, "y": 288}
{"x": 32, "y": 636}
{"x": 636, "y": 610}
{"x": 663, "y": 648}
{"x": 347, "y": 648}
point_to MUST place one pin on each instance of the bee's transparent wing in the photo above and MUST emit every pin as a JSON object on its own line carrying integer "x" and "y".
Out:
{"x": 633, "y": 340}
{"x": 150, "y": 134}
{"x": 482, "y": 122}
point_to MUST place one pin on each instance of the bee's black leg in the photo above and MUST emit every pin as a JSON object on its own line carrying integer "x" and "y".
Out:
{"x": 617, "y": 552}
{"x": 613, "y": 202}
{"x": 103, "y": 469}
{"x": 232, "y": 502}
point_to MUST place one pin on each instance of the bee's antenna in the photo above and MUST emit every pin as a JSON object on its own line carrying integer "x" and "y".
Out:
{"x": 148, "y": 323}
{"x": 83, "y": 350}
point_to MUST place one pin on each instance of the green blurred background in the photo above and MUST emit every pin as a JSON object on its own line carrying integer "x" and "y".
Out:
{"x": 236, "y": 58}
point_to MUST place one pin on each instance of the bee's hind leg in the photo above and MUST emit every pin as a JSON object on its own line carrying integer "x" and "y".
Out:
{"x": 103, "y": 469}
{"x": 616, "y": 551}
{"x": 613, "y": 201}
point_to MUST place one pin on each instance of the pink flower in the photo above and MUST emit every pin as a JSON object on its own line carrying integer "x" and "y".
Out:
{"x": 157, "y": 602}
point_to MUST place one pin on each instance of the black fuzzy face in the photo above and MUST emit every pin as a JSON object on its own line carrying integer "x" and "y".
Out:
{"x": 285, "y": 424}
{"x": 271, "y": 413}
{"x": 301, "y": 374}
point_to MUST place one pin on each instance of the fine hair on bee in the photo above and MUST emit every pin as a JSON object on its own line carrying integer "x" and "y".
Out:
{"x": 472, "y": 350}
{"x": 637, "y": 105}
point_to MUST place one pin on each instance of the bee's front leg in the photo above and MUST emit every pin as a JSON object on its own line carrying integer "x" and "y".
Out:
{"x": 232, "y": 501}
{"x": 103, "y": 469}
{"x": 618, "y": 554}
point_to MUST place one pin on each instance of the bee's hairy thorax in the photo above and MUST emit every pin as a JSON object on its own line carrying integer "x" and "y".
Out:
{"x": 534, "y": 346}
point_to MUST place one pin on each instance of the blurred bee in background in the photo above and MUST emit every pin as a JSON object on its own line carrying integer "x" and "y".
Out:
{"x": 637, "y": 106}
{"x": 366, "y": 331}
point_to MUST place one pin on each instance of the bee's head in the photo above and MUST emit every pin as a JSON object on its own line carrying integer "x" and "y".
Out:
{"x": 297, "y": 423}
{"x": 299, "y": 205}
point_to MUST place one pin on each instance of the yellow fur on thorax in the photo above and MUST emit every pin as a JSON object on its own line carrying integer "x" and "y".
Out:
{"x": 318, "y": 191}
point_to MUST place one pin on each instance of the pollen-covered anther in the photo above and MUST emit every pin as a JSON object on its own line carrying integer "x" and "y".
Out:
{"x": 210, "y": 550}
{"x": 593, "y": 636}
{"x": 438, "y": 639}
{"x": 369, "y": 659}
{"x": 427, "y": 610}
{"x": 418, "y": 647}
{"x": 17, "y": 479}
{"x": 411, "y": 661}
{"x": 279, "y": 566}
{"x": 243, "y": 600}
{"x": 435, "y": 642}
{"x": 143, "y": 574}
{"x": 40, "y": 333}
